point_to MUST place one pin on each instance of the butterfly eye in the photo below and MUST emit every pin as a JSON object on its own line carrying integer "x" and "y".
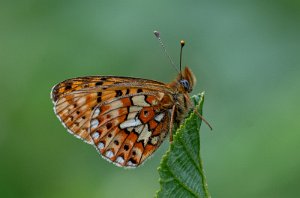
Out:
{"x": 186, "y": 85}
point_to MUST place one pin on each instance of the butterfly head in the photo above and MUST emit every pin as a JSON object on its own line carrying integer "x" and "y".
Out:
{"x": 187, "y": 80}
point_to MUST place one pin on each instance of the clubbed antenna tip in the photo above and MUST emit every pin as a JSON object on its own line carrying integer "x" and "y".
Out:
{"x": 156, "y": 33}
{"x": 182, "y": 43}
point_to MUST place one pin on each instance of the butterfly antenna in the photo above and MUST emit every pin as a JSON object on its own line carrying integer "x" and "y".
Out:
{"x": 157, "y": 34}
{"x": 182, "y": 43}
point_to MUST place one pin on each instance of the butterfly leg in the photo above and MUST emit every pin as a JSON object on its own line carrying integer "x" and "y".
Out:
{"x": 171, "y": 124}
{"x": 198, "y": 114}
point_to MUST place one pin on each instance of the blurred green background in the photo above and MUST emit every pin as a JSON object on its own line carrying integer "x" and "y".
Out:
{"x": 245, "y": 55}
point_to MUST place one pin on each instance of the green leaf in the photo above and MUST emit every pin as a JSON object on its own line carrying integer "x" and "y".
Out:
{"x": 181, "y": 171}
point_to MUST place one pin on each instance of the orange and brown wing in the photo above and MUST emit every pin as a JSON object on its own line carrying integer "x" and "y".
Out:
{"x": 128, "y": 130}
{"x": 103, "y": 82}
{"x": 75, "y": 99}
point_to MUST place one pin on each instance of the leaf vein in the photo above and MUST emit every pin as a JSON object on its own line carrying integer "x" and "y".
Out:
{"x": 188, "y": 154}
{"x": 180, "y": 182}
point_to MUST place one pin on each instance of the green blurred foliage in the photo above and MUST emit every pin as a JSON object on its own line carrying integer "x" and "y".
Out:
{"x": 245, "y": 55}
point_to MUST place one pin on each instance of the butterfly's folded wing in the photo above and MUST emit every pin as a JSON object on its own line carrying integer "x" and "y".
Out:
{"x": 128, "y": 130}
{"x": 121, "y": 116}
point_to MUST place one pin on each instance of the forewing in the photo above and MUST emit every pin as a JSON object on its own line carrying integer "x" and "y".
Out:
{"x": 104, "y": 82}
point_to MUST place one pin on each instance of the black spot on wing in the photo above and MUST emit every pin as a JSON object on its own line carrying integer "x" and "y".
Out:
{"x": 126, "y": 131}
{"x": 108, "y": 125}
{"x": 99, "y": 83}
{"x": 126, "y": 147}
{"x": 116, "y": 142}
{"x": 118, "y": 93}
{"x": 68, "y": 86}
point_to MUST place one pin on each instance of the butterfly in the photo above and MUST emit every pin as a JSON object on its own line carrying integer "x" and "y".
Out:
{"x": 126, "y": 119}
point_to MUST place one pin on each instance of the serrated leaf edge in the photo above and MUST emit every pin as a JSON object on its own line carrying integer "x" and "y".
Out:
{"x": 177, "y": 136}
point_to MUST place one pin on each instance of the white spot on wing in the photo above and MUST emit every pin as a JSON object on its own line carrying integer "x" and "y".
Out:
{"x": 96, "y": 112}
{"x": 95, "y": 135}
{"x": 94, "y": 123}
{"x": 139, "y": 129}
{"x": 145, "y": 135}
{"x": 154, "y": 140}
{"x": 133, "y": 111}
{"x": 132, "y": 115}
{"x": 130, "y": 123}
{"x": 100, "y": 145}
{"x": 109, "y": 154}
{"x": 140, "y": 101}
{"x": 159, "y": 117}
{"x": 120, "y": 160}
{"x": 135, "y": 108}
{"x": 129, "y": 163}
